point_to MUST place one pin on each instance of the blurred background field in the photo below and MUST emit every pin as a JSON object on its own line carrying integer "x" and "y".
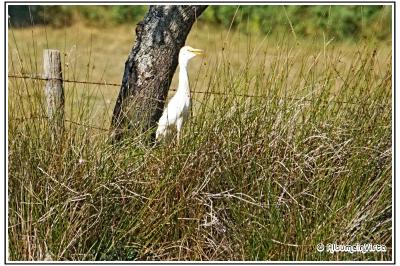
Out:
{"x": 255, "y": 178}
{"x": 340, "y": 22}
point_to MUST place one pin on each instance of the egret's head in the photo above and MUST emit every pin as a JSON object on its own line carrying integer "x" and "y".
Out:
{"x": 186, "y": 53}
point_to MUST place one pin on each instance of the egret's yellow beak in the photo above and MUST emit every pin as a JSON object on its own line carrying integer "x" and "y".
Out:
{"x": 197, "y": 51}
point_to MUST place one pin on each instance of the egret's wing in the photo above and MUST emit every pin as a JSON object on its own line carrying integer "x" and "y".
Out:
{"x": 170, "y": 114}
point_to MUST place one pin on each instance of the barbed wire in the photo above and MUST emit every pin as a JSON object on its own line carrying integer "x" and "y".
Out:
{"x": 38, "y": 77}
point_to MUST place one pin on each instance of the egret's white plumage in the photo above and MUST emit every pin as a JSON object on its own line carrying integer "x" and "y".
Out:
{"x": 177, "y": 110}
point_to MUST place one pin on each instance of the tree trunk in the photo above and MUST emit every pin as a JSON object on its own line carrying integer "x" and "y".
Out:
{"x": 150, "y": 67}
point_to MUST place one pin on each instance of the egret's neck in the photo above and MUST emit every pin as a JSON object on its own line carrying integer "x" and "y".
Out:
{"x": 183, "y": 85}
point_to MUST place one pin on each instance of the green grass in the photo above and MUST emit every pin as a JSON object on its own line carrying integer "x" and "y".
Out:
{"x": 262, "y": 178}
{"x": 343, "y": 22}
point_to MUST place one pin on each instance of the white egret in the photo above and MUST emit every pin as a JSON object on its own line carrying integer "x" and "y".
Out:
{"x": 177, "y": 110}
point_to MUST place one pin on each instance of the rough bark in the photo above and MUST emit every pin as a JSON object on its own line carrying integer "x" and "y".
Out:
{"x": 150, "y": 67}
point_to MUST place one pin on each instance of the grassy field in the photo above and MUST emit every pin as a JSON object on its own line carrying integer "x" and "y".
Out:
{"x": 254, "y": 178}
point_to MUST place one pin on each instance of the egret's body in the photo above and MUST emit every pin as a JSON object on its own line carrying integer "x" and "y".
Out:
{"x": 178, "y": 108}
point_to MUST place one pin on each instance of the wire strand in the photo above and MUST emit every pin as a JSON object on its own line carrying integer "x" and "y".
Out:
{"x": 37, "y": 77}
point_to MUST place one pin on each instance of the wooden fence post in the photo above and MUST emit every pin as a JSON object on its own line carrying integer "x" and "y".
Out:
{"x": 54, "y": 92}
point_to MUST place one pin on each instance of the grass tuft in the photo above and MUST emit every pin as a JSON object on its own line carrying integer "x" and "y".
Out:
{"x": 253, "y": 178}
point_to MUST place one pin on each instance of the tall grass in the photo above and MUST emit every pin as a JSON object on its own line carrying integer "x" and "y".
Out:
{"x": 253, "y": 178}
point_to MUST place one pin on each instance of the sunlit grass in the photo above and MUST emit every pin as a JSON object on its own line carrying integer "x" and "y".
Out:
{"x": 260, "y": 178}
